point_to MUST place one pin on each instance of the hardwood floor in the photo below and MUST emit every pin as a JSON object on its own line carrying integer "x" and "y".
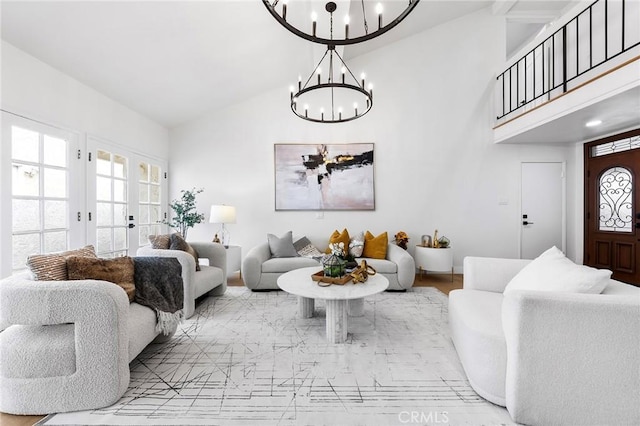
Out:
{"x": 442, "y": 282}
{"x": 9, "y": 420}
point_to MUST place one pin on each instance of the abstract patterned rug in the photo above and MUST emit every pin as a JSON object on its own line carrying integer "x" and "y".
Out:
{"x": 247, "y": 359}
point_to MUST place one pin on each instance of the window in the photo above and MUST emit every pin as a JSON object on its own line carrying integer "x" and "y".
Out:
{"x": 615, "y": 192}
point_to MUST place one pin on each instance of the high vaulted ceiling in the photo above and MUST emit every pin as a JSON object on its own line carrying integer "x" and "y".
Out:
{"x": 174, "y": 61}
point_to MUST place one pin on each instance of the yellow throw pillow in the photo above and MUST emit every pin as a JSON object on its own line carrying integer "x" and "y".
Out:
{"x": 339, "y": 237}
{"x": 375, "y": 247}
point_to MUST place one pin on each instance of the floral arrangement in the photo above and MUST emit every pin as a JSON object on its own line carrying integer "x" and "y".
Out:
{"x": 401, "y": 239}
{"x": 337, "y": 249}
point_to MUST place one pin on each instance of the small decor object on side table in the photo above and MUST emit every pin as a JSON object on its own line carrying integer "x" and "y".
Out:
{"x": 401, "y": 239}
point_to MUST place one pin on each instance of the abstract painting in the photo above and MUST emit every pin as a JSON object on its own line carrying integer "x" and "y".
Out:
{"x": 324, "y": 177}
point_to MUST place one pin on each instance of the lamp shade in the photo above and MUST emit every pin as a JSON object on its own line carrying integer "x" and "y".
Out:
{"x": 222, "y": 214}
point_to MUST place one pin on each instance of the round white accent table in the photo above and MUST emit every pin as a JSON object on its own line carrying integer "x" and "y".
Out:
{"x": 339, "y": 298}
{"x": 434, "y": 259}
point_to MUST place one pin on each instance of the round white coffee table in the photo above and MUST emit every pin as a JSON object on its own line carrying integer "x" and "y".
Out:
{"x": 338, "y": 298}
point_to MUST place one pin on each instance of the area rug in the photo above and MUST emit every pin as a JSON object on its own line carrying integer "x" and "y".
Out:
{"x": 248, "y": 359}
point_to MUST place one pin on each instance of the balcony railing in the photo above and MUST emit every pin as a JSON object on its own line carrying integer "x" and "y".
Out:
{"x": 603, "y": 31}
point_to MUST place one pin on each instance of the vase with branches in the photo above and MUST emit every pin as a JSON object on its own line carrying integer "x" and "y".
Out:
{"x": 185, "y": 214}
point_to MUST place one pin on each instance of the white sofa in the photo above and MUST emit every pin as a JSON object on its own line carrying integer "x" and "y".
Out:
{"x": 260, "y": 271}
{"x": 210, "y": 279}
{"x": 66, "y": 345}
{"x": 549, "y": 357}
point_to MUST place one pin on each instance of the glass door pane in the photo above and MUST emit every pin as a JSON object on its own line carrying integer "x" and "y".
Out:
{"x": 111, "y": 204}
{"x": 149, "y": 201}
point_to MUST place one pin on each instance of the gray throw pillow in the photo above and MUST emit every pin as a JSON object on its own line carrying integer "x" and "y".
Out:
{"x": 283, "y": 246}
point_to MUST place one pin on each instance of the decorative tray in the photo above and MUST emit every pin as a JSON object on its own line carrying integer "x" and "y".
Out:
{"x": 319, "y": 276}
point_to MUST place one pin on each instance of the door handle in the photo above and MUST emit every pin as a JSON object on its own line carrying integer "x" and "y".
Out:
{"x": 527, "y": 223}
{"x": 131, "y": 225}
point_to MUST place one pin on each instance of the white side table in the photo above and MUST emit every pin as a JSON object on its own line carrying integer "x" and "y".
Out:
{"x": 234, "y": 257}
{"x": 434, "y": 259}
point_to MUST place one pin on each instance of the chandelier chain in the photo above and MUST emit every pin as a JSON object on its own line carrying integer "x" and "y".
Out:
{"x": 364, "y": 16}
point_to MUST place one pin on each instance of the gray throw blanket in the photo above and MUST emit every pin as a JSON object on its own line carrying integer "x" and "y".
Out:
{"x": 158, "y": 283}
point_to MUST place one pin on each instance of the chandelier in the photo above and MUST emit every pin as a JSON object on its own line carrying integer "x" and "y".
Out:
{"x": 326, "y": 96}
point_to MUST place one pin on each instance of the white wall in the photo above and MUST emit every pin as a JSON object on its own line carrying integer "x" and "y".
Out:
{"x": 33, "y": 89}
{"x": 436, "y": 166}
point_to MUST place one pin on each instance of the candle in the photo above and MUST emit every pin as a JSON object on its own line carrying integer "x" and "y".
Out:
{"x": 314, "y": 18}
{"x": 346, "y": 26}
{"x": 379, "y": 12}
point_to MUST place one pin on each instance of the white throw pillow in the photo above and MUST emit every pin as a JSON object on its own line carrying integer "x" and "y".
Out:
{"x": 356, "y": 245}
{"x": 552, "y": 271}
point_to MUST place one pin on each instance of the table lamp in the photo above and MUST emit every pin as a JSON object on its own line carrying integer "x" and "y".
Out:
{"x": 223, "y": 214}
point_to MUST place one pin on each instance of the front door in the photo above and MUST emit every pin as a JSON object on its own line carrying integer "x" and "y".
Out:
{"x": 612, "y": 206}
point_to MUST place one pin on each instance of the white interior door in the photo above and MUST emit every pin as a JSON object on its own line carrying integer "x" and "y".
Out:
{"x": 542, "y": 208}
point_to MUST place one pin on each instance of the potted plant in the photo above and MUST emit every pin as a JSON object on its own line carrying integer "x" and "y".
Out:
{"x": 185, "y": 215}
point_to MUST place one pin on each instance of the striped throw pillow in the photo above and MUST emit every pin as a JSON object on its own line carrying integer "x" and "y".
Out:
{"x": 53, "y": 266}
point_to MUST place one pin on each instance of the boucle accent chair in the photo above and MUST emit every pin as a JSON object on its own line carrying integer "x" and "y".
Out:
{"x": 66, "y": 345}
{"x": 260, "y": 271}
{"x": 549, "y": 357}
{"x": 210, "y": 279}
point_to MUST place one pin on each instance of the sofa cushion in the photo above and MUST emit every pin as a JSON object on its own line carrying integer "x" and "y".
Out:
{"x": 475, "y": 321}
{"x": 203, "y": 280}
{"x": 141, "y": 328}
{"x": 160, "y": 242}
{"x": 337, "y": 238}
{"x": 375, "y": 247}
{"x": 179, "y": 243}
{"x": 53, "y": 266}
{"x": 287, "y": 264}
{"x": 552, "y": 271}
{"x": 283, "y": 246}
{"x": 382, "y": 266}
{"x": 119, "y": 270}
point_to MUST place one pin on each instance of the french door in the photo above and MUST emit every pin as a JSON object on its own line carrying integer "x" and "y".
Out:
{"x": 42, "y": 199}
{"x": 125, "y": 198}
{"x": 60, "y": 191}
{"x": 612, "y": 206}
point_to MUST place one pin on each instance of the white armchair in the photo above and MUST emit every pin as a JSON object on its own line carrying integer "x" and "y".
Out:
{"x": 62, "y": 338}
{"x": 210, "y": 279}
{"x": 549, "y": 357}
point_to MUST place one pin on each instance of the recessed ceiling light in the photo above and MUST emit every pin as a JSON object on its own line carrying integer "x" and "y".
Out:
{"x": 593, "y": 123}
